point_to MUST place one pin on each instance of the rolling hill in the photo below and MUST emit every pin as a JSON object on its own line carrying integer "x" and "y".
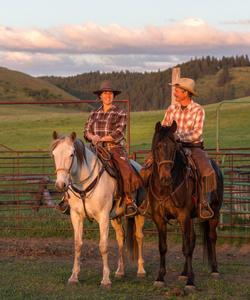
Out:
{"x": 17, "y": 86}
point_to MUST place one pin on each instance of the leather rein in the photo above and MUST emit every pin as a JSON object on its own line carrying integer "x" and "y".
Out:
{"x": 172, "y": 194}
{"x": 89, "y": 188}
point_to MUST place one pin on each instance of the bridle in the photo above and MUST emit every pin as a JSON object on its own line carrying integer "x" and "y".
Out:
{"x": 167, "y": 161}
{"x": 67, "y": 171}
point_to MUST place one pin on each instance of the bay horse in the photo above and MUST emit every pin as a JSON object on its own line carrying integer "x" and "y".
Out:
{"x": 80, "y": 173}
{"x": 171, "y": 195}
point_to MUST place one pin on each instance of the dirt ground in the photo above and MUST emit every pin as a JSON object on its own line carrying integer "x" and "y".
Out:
{"x": 62, "y": 249}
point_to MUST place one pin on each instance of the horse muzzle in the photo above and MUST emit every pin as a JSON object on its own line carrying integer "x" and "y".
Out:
{"x": 166, "y": 181}
{"x": 61, "y": 186}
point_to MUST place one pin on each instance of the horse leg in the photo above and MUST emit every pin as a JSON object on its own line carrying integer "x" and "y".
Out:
{"x": 139, "y": 223}
{"x": 188, "y": 244}
{"x": 103, "y": 246}
{"x": 213, "y": 223}
{"x": 184, "y": 273}
{"x": 162, "y": 234}
{"x": 120, "y": 237}
{"x": 77, "y": 222}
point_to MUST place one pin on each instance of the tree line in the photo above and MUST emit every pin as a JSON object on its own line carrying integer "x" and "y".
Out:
{"x": 150, "y": 90}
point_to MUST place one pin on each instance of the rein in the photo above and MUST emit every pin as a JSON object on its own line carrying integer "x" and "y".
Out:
{"x": 89, "y": 188}
{"x": 83, "y": 193}
{"x": 171, "y": 195}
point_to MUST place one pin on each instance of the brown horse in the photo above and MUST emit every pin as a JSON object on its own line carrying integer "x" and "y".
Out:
{"x": 171, "y": 194}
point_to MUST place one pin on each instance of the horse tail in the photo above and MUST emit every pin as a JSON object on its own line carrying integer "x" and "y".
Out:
{"x": 207, "y": 250}
{"x": 131, "y": 243}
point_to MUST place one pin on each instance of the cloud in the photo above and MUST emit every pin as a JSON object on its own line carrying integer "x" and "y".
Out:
{"x": 237, "y": 22}
{"x": 113, "y": 47}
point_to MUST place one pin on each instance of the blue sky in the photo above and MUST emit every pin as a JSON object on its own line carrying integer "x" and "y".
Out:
{"x": 62, "y": 37}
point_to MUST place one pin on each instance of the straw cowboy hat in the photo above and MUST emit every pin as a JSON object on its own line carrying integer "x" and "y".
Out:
{"x": 106, "y": 86}
{"x": 187, "y": 84}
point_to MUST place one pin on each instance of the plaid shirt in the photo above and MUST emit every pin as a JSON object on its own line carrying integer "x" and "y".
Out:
{"x": 189, "y": 121}
{"x": 112, "y": 123}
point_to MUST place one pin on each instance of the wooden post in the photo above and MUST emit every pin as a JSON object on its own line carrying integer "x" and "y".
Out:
{"x": 176, "y": 74}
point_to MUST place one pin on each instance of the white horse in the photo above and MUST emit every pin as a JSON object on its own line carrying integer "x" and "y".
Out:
{"x": 79, "y": 171}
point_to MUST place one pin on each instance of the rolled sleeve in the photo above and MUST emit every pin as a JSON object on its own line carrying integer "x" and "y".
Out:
{"x": 88, "y": 127}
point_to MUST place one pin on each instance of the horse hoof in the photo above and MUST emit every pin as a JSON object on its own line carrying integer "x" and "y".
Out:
{"x": 119, "y": 275}
{"x": 215, "y": 274}
{"x": 182, "y": 277}
{"x": 106, "y": 286}
{"x": 73, "y": 282}
{"x": 159, "y": 284}
{"x": 141, "y": 275}
{"x": 188, "y": 289}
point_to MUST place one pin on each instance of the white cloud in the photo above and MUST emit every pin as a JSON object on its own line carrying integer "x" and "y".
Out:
{"x": 91, "y": 46}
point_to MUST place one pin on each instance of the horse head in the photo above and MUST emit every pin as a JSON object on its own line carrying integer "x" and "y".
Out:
{"x": 164, "y": 148}
{"x": 63, "y": 152}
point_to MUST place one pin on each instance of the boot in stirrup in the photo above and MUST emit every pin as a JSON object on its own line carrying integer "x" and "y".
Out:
{"x": 118, "y": 209}
{"x": 63, "y": 205}
{"x": 205, "y": 211}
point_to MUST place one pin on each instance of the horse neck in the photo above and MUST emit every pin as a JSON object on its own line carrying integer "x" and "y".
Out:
{"x": 88, "y": 170}
{"x": 179, "y": 169}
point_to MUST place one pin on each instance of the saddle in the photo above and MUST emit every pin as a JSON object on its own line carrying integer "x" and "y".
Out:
{"x": 113, "y": 170}
{"x": 110, "y": 166}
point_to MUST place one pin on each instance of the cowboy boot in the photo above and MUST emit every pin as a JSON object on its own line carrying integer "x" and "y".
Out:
{"x": 205, "y": 211}
{"x": 63, "y": 205}
{"x": 118, "y": 208}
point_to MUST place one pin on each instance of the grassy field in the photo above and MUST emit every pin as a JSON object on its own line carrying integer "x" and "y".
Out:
{"x": 39, "y": 269}
{"x": 30, "y": 127}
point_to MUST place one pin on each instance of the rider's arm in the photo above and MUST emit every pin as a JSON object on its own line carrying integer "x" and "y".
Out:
{"x": 88, "y": 129}
{"x": 118, "y": 134}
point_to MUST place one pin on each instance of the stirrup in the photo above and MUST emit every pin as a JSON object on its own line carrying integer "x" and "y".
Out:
{"x": 63, "y": 207}
{"x": 209, "y": 213}
{"x": 131, "y": 210}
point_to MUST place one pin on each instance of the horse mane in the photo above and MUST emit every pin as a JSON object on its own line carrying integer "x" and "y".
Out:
{"x": 79, "y": 146}
{"x": 162, "y": 132}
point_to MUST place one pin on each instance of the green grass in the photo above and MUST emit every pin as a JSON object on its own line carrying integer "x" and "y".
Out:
{"x": 30, "y": 127}
{"x": 46, "y": 278}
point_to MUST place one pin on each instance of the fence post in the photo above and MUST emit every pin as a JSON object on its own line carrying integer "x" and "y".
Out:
{"x": 176, "y": 74}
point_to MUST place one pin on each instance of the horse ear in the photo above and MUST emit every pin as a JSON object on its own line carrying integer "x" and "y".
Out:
{"x": 174, "y": 126}
{"x": 73, "y": 136}
{"x": 158, "y": 126}
{"x": 55, "y": 135}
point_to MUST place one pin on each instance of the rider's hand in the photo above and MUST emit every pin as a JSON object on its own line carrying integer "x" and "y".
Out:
{"x": 95, "y": 139}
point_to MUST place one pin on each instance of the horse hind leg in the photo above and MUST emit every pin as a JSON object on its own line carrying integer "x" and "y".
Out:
{"x": 120, "y": 237}
{"x": 210, "y": 238}
{"x": 77, "y": 222}
{"x": 139, "y": 223}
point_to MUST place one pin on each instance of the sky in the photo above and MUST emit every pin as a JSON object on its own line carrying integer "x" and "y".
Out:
{"x": 69, "y": 37}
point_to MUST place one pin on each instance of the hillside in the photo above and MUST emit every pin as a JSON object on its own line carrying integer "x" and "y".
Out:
{"x": 17, "y": 86}
{"x": 217, "y": 80}
{"x": 236, "y": 86}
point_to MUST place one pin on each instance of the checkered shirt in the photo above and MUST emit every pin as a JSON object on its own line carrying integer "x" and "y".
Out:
{"x": 112, "y": 123}
{"x": 189, "y": 121}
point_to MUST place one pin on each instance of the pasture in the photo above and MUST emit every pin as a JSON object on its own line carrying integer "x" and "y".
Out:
{"x": 38, "y": 268}
{"x": 27, "y": 127}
